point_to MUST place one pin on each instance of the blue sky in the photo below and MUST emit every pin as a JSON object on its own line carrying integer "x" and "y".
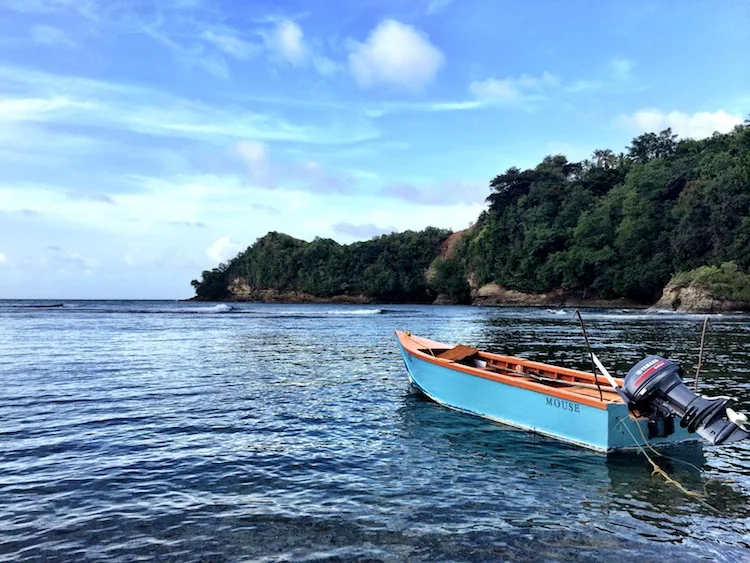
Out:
{"x": 142, "y": 142}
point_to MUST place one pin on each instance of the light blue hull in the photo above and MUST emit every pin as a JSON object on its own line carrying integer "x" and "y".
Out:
{"x": 604, "y": 430}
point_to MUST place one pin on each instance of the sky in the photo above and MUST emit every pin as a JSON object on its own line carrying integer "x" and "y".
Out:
{"x": 143, "y": 142}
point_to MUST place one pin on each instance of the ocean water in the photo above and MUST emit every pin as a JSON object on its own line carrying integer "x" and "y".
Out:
{"x": 194, "y": 432}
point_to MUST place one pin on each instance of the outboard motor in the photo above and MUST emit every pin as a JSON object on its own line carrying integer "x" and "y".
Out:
{"x": 654, "y": 387}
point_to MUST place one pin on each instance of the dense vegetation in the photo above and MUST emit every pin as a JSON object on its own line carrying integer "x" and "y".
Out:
{"x": 619, "y": 225}
{"x": 387, "y": 268}
{"x": 723, "y": 282}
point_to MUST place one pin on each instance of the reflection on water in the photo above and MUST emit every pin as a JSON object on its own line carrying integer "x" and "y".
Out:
{"x": 275, "y": 432}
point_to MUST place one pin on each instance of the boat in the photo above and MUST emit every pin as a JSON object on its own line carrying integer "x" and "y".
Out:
{"x": 594, "y": 411}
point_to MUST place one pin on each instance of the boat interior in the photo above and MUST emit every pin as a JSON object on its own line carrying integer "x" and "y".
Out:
{"x": 573, "y": 381}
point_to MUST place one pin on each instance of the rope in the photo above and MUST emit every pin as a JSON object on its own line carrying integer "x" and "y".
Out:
{"x": 410, "y": 337}
{"x": 659, "y": 471}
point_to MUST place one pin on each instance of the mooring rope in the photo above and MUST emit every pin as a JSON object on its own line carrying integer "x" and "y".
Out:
{"x": 657, "y": 470}
{"x": 410, "y": 337}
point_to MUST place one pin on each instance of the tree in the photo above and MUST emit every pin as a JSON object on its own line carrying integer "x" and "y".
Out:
{"x": 650, "y": 145}
{"x": 604, "y": 158}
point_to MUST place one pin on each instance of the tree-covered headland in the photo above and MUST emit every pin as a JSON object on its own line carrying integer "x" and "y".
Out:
{"x": 387, "y": 268}
{"x": 616, "y": 225}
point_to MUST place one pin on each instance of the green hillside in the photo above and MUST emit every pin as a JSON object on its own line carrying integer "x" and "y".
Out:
{"x": 618, "y": 225}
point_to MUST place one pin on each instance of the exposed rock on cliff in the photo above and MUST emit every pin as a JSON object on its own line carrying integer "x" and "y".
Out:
{"x": 695, "y": 299}
{"x": 492, "y": 294}
{"x": 709, "y": 289}
{"x": 239, "y": 290}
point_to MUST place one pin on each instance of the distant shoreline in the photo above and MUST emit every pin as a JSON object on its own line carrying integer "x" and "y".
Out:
{"x": 571, "y": 302}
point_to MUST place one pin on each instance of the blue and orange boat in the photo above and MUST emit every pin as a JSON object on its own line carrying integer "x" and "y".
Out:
{"x": 596, "y": 412}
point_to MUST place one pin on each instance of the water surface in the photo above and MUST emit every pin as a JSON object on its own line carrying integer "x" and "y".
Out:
{"x": 193, "y": 432}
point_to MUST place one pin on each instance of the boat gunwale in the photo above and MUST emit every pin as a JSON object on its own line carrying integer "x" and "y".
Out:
{"x": 515, "y": 381}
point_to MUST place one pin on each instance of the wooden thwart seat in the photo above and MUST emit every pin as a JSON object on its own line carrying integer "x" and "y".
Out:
{"x": 457, "y": 353}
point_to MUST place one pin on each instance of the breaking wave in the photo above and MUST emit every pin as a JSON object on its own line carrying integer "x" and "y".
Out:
{"x": 220, "y": 308}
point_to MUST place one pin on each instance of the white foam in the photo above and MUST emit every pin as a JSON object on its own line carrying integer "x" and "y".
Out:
{"x": 356, "y": 312}
{"x": 221, "y": 308}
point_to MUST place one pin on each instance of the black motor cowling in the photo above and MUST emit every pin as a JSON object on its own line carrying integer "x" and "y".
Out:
{"x": 654, "y": 388}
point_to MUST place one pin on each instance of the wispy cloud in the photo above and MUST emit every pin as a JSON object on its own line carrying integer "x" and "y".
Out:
{"x": 51, "y": 36}
{"x": 308, "y": 176}
{"x": 61, "y": 259}
{"x": 437, "y": 6}
{"x": 365, "y": 231}
{"x": 187, "y": 224}
{"x": 529, "y": 90}
{"x": 255, "y": 157}
{"x": 230, "y": 43}
{"x": 91, "y": 196}
{"x": 445, "y": 193}
{"x": 622, "y": 69}
{"x": 195, "y": 33}
{"x": 68, "y": 100}
{"x": 88, "y": 9}
{"x": 268, "y": 209}
{"x": 696, "y": 125}
{"x": 513, "y": 90}
{"x": 36, "y": 108}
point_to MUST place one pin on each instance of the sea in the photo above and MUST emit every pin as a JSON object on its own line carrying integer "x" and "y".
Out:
{"x": 183, "y": 431}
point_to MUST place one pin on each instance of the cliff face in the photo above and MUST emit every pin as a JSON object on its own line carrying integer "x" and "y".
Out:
{"x": 492, "y": 295}
{"x": 239, "y": 290}
{"x": 695, "y": 299}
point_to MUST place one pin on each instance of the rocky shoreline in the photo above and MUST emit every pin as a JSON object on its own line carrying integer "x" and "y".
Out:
{"x": 675, "y": 298}
{"x": 695, "y": 299}
{"x": 493, "y": 295}
{"x": 490, "y": 295}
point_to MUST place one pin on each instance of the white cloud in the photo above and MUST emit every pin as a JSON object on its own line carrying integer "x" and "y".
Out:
{"x": 396, "y": 54}
{"x": 222, "y": 249}
{"x": 513, "y": 90}
{"x": 445, "y": 193}
{"x": 3, "y": 259}
{"x": 622, "y": 69}
{"x": 287, "y": 40}
{"x": 361, "y": 231}
{"x": 215, "y": 65}
{"x": 697, "y": 125}
{"x": 308, "y": 176}
{"x": 254, "y": 155}
{"x": 67, "y": 100}
{"x": 231, "y": 44}
{"x": 436, "y": 6}
{"x": 101, "y": 236}
{"x": 63, "y": 260}
{"x": 130, "y": 258}
{"x": 33, "y": 108}
{"x": 325, "y": 66}
{"x": 253, "y": 152}
{"x": 454, "y": 106}
{"x": 51, "y": 36}
{"x": 90, "y": 196}
{"x": 573, "y": 153}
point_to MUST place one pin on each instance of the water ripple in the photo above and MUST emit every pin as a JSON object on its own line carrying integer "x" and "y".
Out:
{"x": 140, "y": 431}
